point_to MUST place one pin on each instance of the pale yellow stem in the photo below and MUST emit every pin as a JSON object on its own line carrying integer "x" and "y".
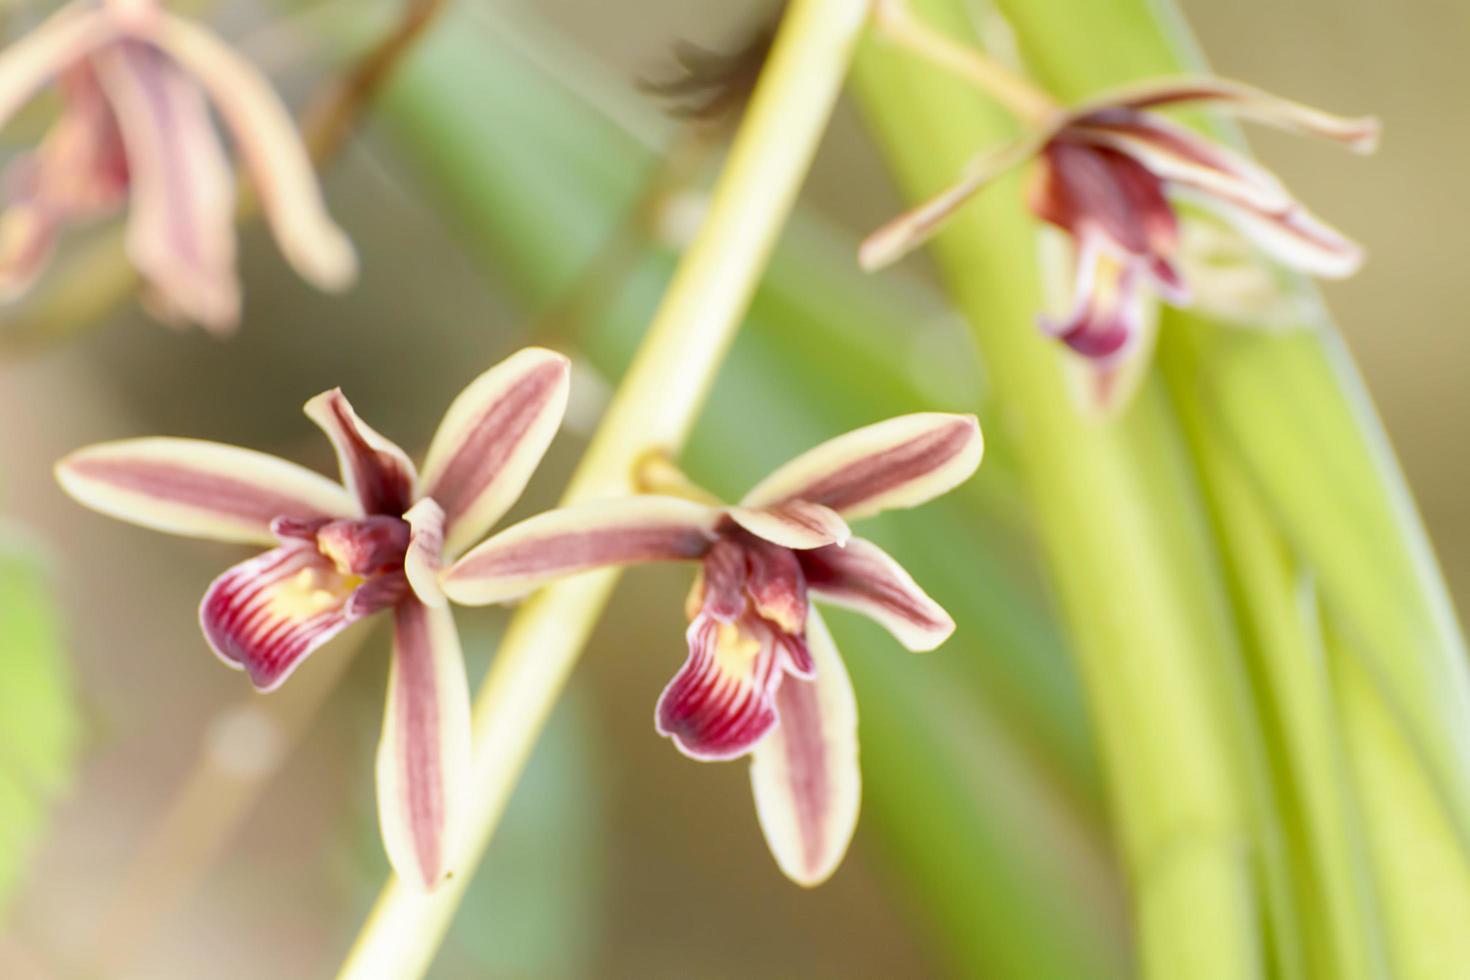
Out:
{"x": 1027, "y": 101}
{"x": 653, "y": 410}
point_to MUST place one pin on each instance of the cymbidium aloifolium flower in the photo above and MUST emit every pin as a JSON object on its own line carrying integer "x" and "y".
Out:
{"x": 342, "y": 552}
{"x": 762, "y": 675}
{"x": 1110, "y": 174}
{"x": 136, "y": 85}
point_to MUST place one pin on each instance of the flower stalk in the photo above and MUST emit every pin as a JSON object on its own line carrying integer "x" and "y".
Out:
{"x": 654, "y": 410}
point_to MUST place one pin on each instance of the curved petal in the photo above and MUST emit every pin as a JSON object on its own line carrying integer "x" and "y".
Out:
{"x": 865, "y": 578}
{"x": 1107, "y": 316}
{"x": 793, "y": 524}
{"x": 424, "y": 560}
{"x": 491, "y": 440}
{"x": 424, "y": 754}
{"x": 265, "y": 615}
{"x": 181, "y": 222}
{"x": 902, "y": 462}
{"x": 1294, "y": 237}
{"x": 1359, "y": 133}
{"x": 61, "y": 40}
{"x": 198, "y": 489}
{"x": 597, "y": 534}
{"x": 723, "y": 701}
{"x": 805, "y": 775}
{"x": 379, "y": 474}
{"x": 278, "y": 163}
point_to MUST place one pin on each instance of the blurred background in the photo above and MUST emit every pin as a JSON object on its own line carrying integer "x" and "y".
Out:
{"x": 515, "y": 186}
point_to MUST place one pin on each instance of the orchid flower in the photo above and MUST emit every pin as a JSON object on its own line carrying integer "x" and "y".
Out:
{"x": 1108, "y": 175}
{"x": 342, "y": 552}
{"x": 763, "y": 676}
{"x": 135, "y": 126}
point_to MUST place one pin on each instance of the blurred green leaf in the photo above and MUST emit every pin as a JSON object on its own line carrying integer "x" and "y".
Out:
{"x": 39, "y": 727}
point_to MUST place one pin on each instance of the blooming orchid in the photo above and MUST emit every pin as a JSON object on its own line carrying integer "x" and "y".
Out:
{"x": 341, "y": 552}
{"x": 1109, "y": 173}
{"x": 763, "y": 676}
{"x": 135, "y": 126}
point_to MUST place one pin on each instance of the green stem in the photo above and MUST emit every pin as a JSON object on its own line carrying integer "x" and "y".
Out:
{"x": 654, "y": 409}
{"x": 1126, "y": 541}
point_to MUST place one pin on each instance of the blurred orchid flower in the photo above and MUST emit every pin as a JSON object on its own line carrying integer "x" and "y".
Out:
{"x": 1108, "y": 175}
{"x": 341, "y": 552}
{"x": 135, "y": 125}
{"x": 762, "y": 675}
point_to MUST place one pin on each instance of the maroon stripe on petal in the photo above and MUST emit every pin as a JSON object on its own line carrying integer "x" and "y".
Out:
{"x": 585, "y": 549}
{"x": 864, "y": 577}
{"x": 496, "y": 434}
{"x": 874, "y": 475}
{"x": 722, "y": 702}
{"x": 266, "y": 614}
{"x": 418, "y": 705}
{"x": 188, "y": 486}
{"x": 807, "y": 768}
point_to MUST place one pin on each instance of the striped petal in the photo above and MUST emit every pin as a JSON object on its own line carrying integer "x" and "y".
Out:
{"x": 1107, "y": 316}
{"x": 424, "y": 754}
{"x": 863, "y": 577}
{"x": 60, "y": 41}
{"x": 181, "y": 223}
{"x": 805, "y": 775}
{"x": 793, "y": 524}
{"x": 274, "y": 155}
{"x": 902, "y": 462}
{"x": 379, "y": 474}
{"x": 198, "y": 489}
{"x": 581, "y": 538}
{"x": 492, "y": 439}
{"x": 1293, "y": 237}
{"x": 723, "y": 701}
{"x": 1245, "y": 101}
{"x": 265, "y": 615}
{"x": 425, "y": 558}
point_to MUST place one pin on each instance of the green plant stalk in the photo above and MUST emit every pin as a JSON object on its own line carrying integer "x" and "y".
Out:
{"x": 1299, "y": 418}
{"x": 1125, "y": 537}
{"x": 654, "y": 409}
{"x": 1328, "y": 925}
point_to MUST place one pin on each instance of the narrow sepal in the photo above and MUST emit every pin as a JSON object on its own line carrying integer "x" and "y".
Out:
{"x": 379, "y": 474}
{"x": 198, "y": 489}
{"x": 722, "y": 702}
{"x": 492, "y": 439}
{"x": 597, "y": 534}
{"x": 424, "y": 754}
{"x": 805, "y": 775}
{"x": 1293, "y": 237}
{"x": 902, "y": 462}
{"x": 865, "y": 578}
{"x": 793, "y": 524}
{"x": 28, "y": 63}
{"x": 265, "y": 615}
{"x": 274, "y": 155}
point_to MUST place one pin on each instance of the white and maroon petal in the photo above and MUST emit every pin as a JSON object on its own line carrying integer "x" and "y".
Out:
{"x": 425, "y": 558}
{"x": 424, "y": 754}
{"x": 902, "y": 462}
{"x": 915, "y": 226}
{"x": 492, "y": 439}
{"x": 865, "y": 578}
{"x": 794, "y": 524}
{"x": 198, "y": 489}
{"x": 264, "y": 616}
{"x": 808, "y": 788}
{"x": 181, "y": 223}
{"x": 597, "y": 534}
{"x": 1108, "y": 306}
{"x": 1360, "y": 133}
{"x": 1293, "y": 237}
{"x": 278, "y": 163}
{"x": 45, "y": 52}
{"x": 379, "y": 474}
{"x": 723, "y": 701}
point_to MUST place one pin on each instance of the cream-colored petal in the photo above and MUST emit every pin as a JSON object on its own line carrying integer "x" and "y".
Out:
{"x": 424, "y": 753}
{"x": 28, "y": 63}
{"x": 580, "y": 538}
{"x": 424, "y": 561}
{"x": 198, "y": 489}
{"x": 492, "y": 439}
{"x": 793, "y": 524}
{"x": 901, "y": 462}
{"x": 805, "y": 775}
{"x": 865, "y": 578}
{"x": 277, "y": 161}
